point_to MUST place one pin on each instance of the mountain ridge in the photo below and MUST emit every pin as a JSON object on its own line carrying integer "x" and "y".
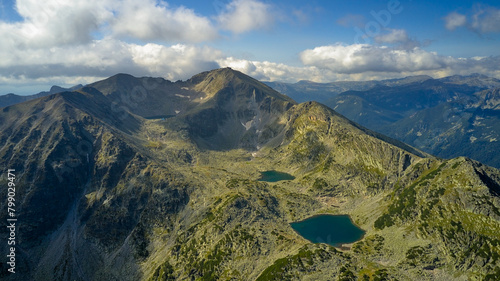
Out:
{"x": 441, "y": 121}
{"x": 11, "y": 98}
{"x": 321, "y": 92}
{"x": 450, "y": 106}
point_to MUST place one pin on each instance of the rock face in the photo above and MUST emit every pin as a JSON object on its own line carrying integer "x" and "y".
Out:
{"x": 437, "y": 116}
{"x": 145, "y": 179}
{"x": 236, "y": 113}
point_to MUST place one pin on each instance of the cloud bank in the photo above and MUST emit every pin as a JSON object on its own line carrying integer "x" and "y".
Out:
{"x": 365, "y": 59}
{"x": 482, "y": 19}
{"x": 359, "y": 58}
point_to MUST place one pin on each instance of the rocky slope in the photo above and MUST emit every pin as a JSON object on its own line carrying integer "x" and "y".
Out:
{"x": 464, "y": 127}
{"x": 440, "y": 116}
{"x": 116, "y": 185}
{"x": 449, "y": 117}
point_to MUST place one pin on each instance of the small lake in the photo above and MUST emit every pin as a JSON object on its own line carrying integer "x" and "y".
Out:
{"x": 274, "y": 176}
{"x": 159, "y": 117}
{"x": 330, "y": 229}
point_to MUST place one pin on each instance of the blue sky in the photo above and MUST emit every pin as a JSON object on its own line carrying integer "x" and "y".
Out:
{"x": 71, "y": 42}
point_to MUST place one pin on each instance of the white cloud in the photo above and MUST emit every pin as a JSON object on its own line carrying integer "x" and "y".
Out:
{"x": 148, "y": 20}
{"x": 455, "y": 20}
{"x": 486, "y": 20}
{"x": 106, "y": 57}
{"x": 394, "y": 36}
{"x": 359, "y": 58}
{"x": 183, "y": 60}
{"x": 58, "y": 39}
{"x": 351, "y": 20}
{"x": 55, "y": 22}
{"x": 242, "y": 16}
{"x": 271, "y": 71}
{"x": 483, "y": 19}
{"x": 362, "y": 61}
{"x": 95, "y": 58}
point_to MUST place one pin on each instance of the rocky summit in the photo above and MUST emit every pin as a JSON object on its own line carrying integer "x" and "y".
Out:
{"x": 147, "y": 179}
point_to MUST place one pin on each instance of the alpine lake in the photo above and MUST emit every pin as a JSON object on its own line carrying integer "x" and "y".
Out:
{"x": 275, "y": 176}
{"x": 333, "y": 230}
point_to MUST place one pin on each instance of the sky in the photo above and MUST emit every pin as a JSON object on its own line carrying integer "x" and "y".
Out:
{"x": 60, "y": 42}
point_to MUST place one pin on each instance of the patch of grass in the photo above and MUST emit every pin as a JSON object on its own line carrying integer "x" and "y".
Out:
{"x": 208, "y": 266}
{"x": 414, "y": 253}
{"x": 383, "y": 221}
{"x": 163, "y": 272}
{"x": 319, "y": 184}
{"x": 402, "y": 207}
{"x": 156, "y": 145}
{"x": 404, "y": 204}
{"x": 346, "y": 274}
{"x": 494, "y": 276}
{"x": 455, "y": 165}
{"x": 303, "y": 261}
{"x": 369, "y": 245}
{"x": 434, "y": 173}
{"x": 381, "y": 275}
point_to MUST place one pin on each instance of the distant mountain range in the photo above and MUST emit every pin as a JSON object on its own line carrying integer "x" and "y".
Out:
{"x": 311, "y": 91}
{"x": 146, "y": 179}
{"x": 448, "y": 117}
{"x": 321, "y": 92}
{"x": 10, "y": 99}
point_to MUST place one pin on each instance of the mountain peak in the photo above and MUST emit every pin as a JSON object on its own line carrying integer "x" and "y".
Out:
{"x": 56, "y": 89}
{"x": 229, "y": 80}
{"x": 236, "y": 110}
{"x": 122, "y": 76}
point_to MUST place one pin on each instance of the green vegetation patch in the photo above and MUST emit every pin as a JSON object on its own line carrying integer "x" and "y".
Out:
{"x": 371, "y": 245}
{"x": 209, "y": 265}
{"x": 402, "y": 207}
{"x": 304, "y": 261}
{"x": 163, "y": 272}
{"x": 495, "y": 275}
{"x": 404, "y": 201}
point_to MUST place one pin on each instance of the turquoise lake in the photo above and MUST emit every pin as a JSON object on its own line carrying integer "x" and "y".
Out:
{"x": 330, "y": 229}
{"x": 274, "y": 176}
